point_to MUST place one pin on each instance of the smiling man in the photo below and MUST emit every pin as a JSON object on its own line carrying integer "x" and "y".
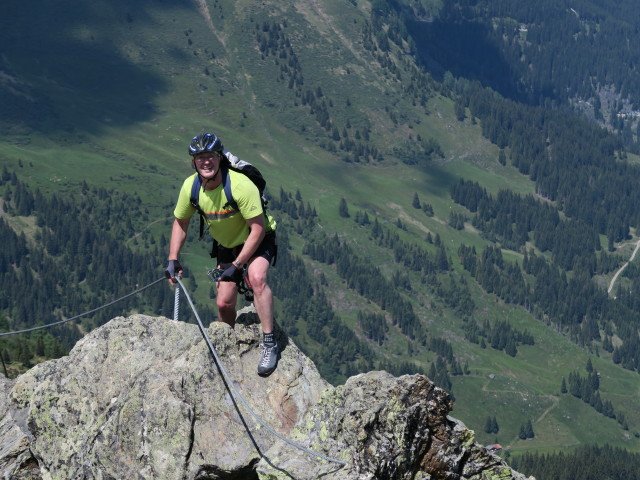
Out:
{"x": 245, "y": 234}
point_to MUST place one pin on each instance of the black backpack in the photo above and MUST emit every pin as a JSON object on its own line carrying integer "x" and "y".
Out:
{"x": 229, "y": 162}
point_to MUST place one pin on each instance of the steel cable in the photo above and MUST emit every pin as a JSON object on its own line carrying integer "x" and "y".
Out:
{"x": 235, "y": 395}
{"x": 59, "y": 322}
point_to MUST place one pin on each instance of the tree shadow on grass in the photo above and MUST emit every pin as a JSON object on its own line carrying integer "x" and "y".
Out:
{"x": 63, "y": 68}
{"x": 465, "y": 49}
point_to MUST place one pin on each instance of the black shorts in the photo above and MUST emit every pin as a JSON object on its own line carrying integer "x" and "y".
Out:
{"x": 268, "y": 249}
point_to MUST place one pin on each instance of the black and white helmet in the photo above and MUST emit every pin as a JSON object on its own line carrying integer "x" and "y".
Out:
{"x": 205, "y": 142}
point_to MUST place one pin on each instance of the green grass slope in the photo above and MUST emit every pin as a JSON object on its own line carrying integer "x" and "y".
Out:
{"x": 111, "y": 94}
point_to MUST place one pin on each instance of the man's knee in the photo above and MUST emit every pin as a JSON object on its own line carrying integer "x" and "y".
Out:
{"x": 258, "y": 274}
{"x": 225, "y": 304}
{"x": 258, "y": 280}
{"x": 226, "y": 298}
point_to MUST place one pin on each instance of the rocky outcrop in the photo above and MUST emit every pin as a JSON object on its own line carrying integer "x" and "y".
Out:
{"x": 140, "y": 397}
{"x": 16, "y": 461}
{"x": 385, "y": 428}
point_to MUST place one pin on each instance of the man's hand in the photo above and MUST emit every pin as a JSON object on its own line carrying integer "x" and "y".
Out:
{"x": 173, "y": 268}
{"x": 231, "y": 274}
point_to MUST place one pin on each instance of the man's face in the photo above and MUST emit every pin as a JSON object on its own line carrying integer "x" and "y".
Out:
{"x": 207, "y": 163}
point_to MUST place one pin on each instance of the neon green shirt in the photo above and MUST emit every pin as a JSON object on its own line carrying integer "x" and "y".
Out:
{"x": 226, "y": 225}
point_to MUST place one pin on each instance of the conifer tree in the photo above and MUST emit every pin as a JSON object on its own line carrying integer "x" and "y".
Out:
{"x": 40, "y": 346}
{"x": 4, "y": 366}
{"x": 529, "y": 429}
{"x": 488, "y": 425}
{"x": 343, "y": 209}
{"x": 491, "y": 425}
{"x": 522, "y": 435}
{"x": 416, "y": 201}
{"x": 589, "y": 365}
{"x": 24, "y": 354}
{"x": 502, "y": 158}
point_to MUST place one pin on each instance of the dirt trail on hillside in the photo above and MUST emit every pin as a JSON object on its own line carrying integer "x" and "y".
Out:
{"x": 615, "y": 277}
{"x": 204, "y": 11}
{"x": 146, "y": 227}
{"x": 555, "y": 401}
{"x": 407, "y": 218}
{"x": 314, "y": 8}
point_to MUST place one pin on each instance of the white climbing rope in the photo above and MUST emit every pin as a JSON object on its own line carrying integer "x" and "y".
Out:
{"x": 176, "y": 304}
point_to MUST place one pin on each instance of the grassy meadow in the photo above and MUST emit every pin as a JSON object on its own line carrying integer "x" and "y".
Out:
{"x": 176, "y": 71}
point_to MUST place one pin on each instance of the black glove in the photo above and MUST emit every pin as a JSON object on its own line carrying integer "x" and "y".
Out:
{"x": 231, "y": 274}
{"x": 173, "y": 268}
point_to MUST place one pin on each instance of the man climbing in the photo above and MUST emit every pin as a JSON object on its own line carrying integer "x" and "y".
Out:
{"x": 244, "y": 232}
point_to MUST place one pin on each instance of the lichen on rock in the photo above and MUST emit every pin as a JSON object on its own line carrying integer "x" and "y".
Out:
{"x": 140, "y": 397}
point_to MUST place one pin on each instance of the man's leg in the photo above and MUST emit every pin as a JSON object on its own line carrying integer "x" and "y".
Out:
{"x": 226, "y": 297}
{"x": 262, "y": 296}
{"x": 263, "y": 301}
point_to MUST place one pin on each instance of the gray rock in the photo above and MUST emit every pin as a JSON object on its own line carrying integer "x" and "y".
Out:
{"x": 140, "y": 397}
{"x": 16, "y": 460}
{"x": 385, "y": 427}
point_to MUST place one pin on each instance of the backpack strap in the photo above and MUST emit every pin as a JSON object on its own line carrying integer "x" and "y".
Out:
{"x": 226, "y": 183}
{"x": 194, "y": 200}
{"x": 195, "y": 192}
